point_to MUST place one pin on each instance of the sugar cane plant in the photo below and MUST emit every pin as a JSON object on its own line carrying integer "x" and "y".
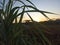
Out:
{"x": 15, "y": 33}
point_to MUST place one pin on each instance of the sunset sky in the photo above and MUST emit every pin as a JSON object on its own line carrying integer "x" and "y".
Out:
{"x": 45, "y": 5}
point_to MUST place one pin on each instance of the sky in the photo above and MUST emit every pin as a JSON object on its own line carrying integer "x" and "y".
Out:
{"x": 45, "y": 5}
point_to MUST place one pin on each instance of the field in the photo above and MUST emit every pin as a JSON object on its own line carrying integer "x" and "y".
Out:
{"x": 54, "y": 34}
{"x": 51, "y": 30}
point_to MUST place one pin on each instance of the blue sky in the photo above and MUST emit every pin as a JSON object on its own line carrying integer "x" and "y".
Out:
{"x": 48, "y": 5}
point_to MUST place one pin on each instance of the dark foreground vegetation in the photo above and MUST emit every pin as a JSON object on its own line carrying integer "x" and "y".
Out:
{"x": 29, "y": 33}
{"x": 54, "y": 35}
{"x": 50, "y": 28}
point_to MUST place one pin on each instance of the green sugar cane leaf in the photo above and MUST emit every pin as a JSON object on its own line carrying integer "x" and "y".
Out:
{"x": 2, "y": 12}
{"x": 22, "y": 15}
{"x": 28, "y": 42}
{"x": 31, "y": 11}
{"x": 12, "y": 10}
{"x": 16, "y": 20}
{"x": 12, "y": 17}
{"x": 9, "y": 7}
{"x": 34, "y": 10}
{"x": 34, "y": 38}
{"x": 39, "y": 10}
{"x": 2, "y": 29}
{"x": 3, "y": 4}
{"x": 31, "y": 3}
{"x": 11, "y": 14}
{"x": 45, "y": 39}
{"x": 20, "y": 33}
{"x": 10, "y": 22}
{"x": 6, "y": 10}
{"x": 42, "y": 35}
{"x": 42, "y": 12}
{"x": 30, "y": 17}
{"x": 24, "y": 41}
{"x": 21, "y": 2}
{"x": 37, "y": 31}
{"x": 44, "y": 15}
{"x": 15, "y": 16}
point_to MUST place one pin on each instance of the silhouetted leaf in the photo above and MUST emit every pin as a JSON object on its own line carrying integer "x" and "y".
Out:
{"x": 38, "y": 9}
{"x": 22, "y": 15}
{"x": 31, "y": 3}
{"x": 30, "y": 17}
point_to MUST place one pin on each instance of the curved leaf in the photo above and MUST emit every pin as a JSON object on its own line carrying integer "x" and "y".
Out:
{"x": 38, "y": 9}
{"x": 11, "y": 13}
{"x": 30, "y": 17}
{"x": 22, "y": 15}
{"x": 31, "y": 3}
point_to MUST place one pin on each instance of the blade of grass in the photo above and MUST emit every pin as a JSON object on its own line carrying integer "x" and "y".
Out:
{"x": 38, "y": 9}
{"x": 22, "y": 15}
{"x": 44, "y": 15}
{"x": 12, "y": 17}
{"x": 10, "y": 14}
{"x": 3, "y": 4}
{"x": 31, "y": 3}
{"x": 30, "y": 17}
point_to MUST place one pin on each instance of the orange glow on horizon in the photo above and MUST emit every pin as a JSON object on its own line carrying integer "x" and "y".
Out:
{"x": 37, "y": 17}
